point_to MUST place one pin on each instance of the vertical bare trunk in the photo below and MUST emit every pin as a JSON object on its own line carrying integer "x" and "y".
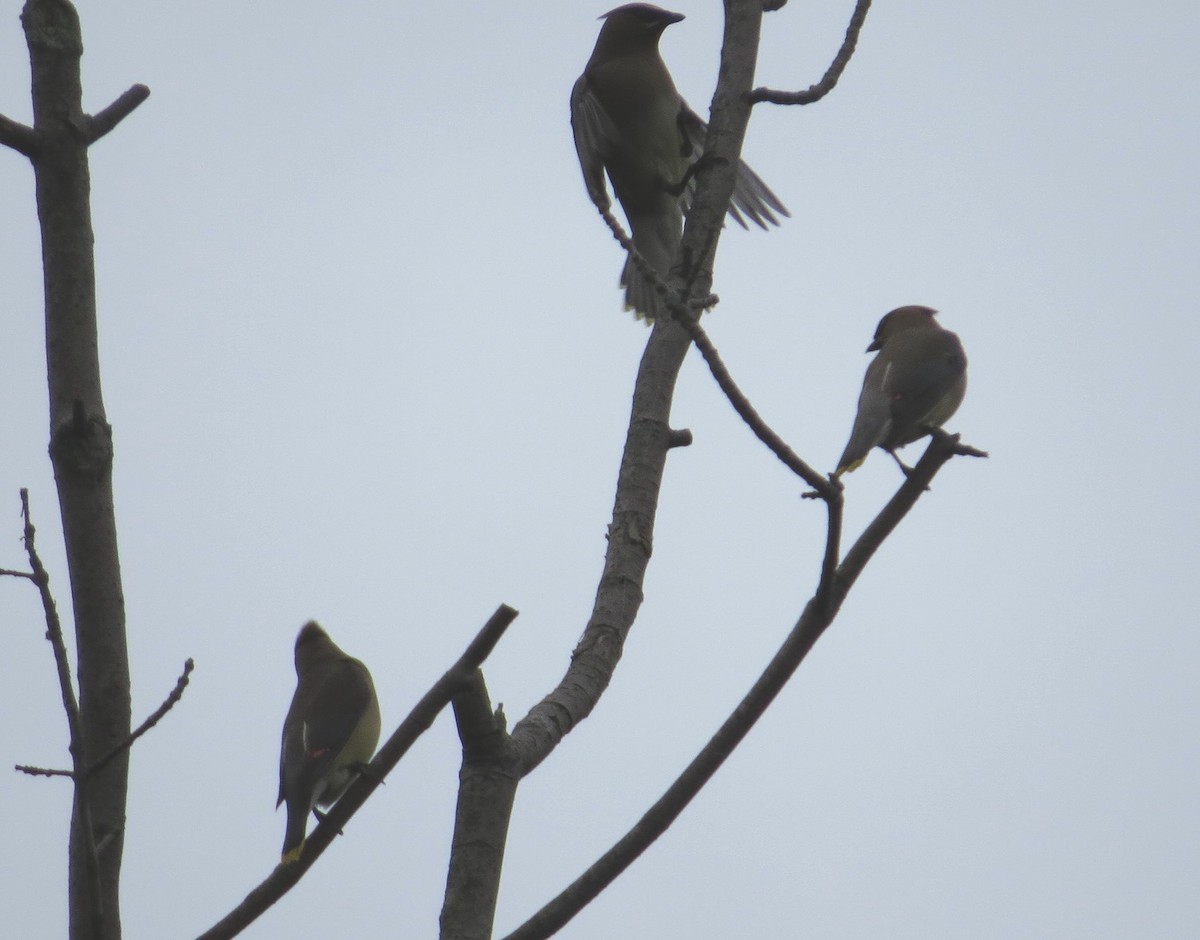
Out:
{"x": 81, "y": 452}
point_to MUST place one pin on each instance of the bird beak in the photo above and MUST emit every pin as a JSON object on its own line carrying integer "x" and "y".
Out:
{"x": 875, "y": 346}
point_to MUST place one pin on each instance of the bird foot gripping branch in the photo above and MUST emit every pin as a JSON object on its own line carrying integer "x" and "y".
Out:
{"x": 631, "y": 124}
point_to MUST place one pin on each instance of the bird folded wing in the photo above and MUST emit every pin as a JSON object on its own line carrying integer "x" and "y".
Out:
{"x": 752, "y": 198}
{"x": 595, "y": 136}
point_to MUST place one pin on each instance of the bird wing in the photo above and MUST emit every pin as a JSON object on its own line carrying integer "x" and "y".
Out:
{"x": 595, "y": 136}
{"x": 337, "y": 708}
{"x": 312, "y": 744}
{"x": 917, "y": 384}
{"x": 752, "y": 198}
{"x": 871, "y": 421}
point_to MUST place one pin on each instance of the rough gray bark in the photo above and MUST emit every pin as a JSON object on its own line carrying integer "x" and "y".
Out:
{"x": 481, "y": 819}
{"x": 82, "y": 455}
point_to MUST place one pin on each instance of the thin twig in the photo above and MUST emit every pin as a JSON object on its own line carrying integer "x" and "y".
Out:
{"x": 942, "y": 447}
{"x": 818, "y": 91}
{"x": 54, "y": 633}
{"x": 643, "y": 266}
{"x": 70, "y": 704}
{"x": 43, "y": 771}
{"x": 753, "y": 419}
{"x": 155, "y": 718}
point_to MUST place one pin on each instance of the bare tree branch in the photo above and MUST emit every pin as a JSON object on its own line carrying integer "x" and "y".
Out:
{"x": 551, "y": 918}
{"x": 630, "y": 534}
{"x": 453, "y": 681}
{"x": 66, "y": 686}
{"x": 818, "y": 614}
{"x": 18, "y": 136}
{"x": 155, "y": 717}
{"x": 487, "y": 780}
{"x": 97, "y": 125}
{"x": 818, "y": 91}
{"x": 43, "y": 771}
{"x": 54, "y": 634}
{"x": 942, "y": 447}
{"x": 741, "y": 404}
{"x": 82, "y": 454}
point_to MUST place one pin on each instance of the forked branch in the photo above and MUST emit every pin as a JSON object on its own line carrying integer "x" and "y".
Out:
{"x": 818, "y": 614}
{"x": 829, "y": 80}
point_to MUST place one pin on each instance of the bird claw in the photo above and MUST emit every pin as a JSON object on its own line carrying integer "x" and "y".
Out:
{"x": 704, "y": 162}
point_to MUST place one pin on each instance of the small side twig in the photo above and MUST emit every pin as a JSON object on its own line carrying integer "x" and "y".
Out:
{"x": 97, "y": 125}
{"x": 155, "y": 717}
{"x": 942, "y": 448}
{"x": 741, "y": 404}
{"x": 39, "y": 576}
{"x": 66, "y": 685}
{"x": 643, "y": 266}
{"x": 43, "y": 771}
{"x": 818, "y": 91}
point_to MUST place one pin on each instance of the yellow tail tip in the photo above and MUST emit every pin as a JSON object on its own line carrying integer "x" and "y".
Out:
{"x": 292, "y": 855}
{"x": 849, "y": 468}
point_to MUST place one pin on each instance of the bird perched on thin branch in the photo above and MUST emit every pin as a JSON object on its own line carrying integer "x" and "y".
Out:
{"x": 630, "y": 122}
{"x": 329, "y": 734}
{"x": 914, "y": 384}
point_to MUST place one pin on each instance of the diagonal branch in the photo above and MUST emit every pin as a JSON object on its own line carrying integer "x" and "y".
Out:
{"x": 155, "y": 717}
{"x": 672, "y": 803}
{"x": 818, "y": 614}
{"x": 20, "y": 137}
{"x": 96, "y": 126}
{"x": 70, "y": 705}
{"x": 818, "y": 91}
{"x": 942, "y": 447}
{"x": 284, "y": 877}
{"x": 54, "y": 633}
{"x": 741, "y": 404}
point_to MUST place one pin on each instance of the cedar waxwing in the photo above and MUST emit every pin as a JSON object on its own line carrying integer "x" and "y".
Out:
{"x": 329, "y": 734}
{"x": 914, "y": 385}
{"x": 630, "y": 122}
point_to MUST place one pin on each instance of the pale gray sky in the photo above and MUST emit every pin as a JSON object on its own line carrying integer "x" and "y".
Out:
{"x": 365, "y": 359}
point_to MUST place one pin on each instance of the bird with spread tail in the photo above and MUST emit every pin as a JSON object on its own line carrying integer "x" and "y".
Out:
{"x": 913, "y": 385}
{"x": 630, "y": 122}
{"x": 329, "y": 734}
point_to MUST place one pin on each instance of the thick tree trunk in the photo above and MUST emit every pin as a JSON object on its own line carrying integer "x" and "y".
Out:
{"x": 81, "y": 452}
